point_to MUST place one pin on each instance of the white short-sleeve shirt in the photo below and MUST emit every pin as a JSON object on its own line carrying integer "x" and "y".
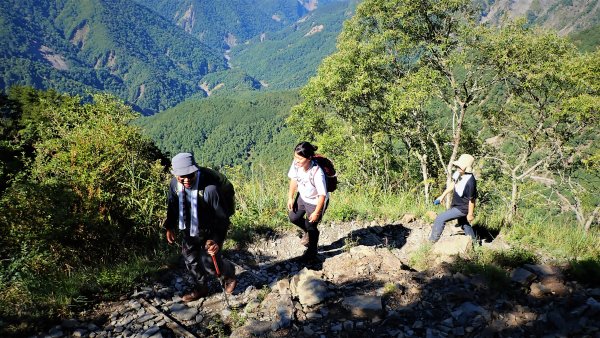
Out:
{"x": 311, "y": 183}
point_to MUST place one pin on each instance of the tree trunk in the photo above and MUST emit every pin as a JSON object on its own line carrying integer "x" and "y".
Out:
{"x": 513, "y": 199}
{"x": 425, "y": 174}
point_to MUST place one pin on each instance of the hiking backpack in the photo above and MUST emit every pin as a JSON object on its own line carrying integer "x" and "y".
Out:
{"x": 326, "y": 165}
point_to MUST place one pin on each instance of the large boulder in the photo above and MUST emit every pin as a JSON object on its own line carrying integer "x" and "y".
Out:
{"x": 448, "y": 247}
{"x": 362, "y": 262}
{"x": 309, "y": 287}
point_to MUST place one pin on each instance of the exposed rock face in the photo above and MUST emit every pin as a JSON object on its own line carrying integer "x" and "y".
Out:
{"x": 315, "y": 30}
{"x": 563, "y": 16}
{"x": 209, "y": 91}
{"x": 56, "y": 60}
{"x": 230, "y": 40}
{"x": 80, "y": 36}
{"x": 141, "y": 92}
{"x": 187, "y": 19}
{"x": 309, "y": 5}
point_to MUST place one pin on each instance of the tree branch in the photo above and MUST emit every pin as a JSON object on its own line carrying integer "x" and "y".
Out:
{"x": 532, "y": 168}
{"x": 594, "y": 214}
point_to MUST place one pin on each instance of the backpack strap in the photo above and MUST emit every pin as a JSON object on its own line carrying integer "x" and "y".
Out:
{"x": 313, "y": 172}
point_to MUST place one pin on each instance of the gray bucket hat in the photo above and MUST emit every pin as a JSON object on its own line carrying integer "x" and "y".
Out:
{"x": 183, "y": 164}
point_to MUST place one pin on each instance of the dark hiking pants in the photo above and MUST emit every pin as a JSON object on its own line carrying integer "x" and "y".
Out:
{"x": 299, "y": 216}
{"x": 200, "y": 264}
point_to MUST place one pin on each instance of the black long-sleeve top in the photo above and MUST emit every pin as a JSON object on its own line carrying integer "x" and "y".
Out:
{"x": 213, "y": 213}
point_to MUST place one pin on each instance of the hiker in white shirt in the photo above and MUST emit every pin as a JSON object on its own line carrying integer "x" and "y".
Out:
{"x": 307, "y": 197}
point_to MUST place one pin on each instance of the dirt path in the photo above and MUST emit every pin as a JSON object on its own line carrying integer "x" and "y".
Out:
{"x": 364, "y": 285}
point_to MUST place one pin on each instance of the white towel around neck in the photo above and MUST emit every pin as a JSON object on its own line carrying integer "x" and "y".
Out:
{"x": 194, "y": 206}
{"x": 459, "y": 187}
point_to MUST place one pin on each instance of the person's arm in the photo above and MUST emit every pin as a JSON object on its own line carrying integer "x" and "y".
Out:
{"x": 292, "y": 194}
{"x": 448, "y": 189}
{"x": 172, "y": 213}
{"x": 472, "y": 195}
{"x": 318, "y": 210}
{"x": 471, "y": 215}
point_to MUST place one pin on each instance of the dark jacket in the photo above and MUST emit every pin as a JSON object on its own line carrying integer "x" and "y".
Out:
{"x": 469, "y": 194}
{"x": 213, "y": 213}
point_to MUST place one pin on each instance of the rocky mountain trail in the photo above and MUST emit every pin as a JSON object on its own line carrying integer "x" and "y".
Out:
{"x": 363, "y": 285}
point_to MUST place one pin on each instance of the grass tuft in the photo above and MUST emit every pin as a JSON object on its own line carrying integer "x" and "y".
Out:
{"x": 421, "y": 258}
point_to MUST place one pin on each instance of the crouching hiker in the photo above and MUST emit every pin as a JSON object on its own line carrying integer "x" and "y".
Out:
{"x": 200, "y": 202}
{"x": 307, "y": 197}
{"x": 463, "y": 200}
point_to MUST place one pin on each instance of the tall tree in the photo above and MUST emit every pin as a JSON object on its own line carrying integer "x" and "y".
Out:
{"x": 550, "y": 102}
{"x": 403, "y": 68}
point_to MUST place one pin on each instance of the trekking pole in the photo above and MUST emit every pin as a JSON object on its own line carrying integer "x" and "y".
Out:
{"x": 221, "y": 279}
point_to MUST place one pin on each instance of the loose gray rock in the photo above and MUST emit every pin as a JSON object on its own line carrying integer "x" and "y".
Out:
{"x": 69, "y": 323}
{"x": 252, "y": 328}
{"x": 151, "y": 331}
{"x": 468, "y": 310}
{"x": 543, "y": 270}
{"x": 183, "y": 312}
{"x": 363, "y": 306}
{"x": 522, "y": 276}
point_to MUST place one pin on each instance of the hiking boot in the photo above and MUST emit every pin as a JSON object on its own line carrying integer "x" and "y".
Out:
{"x": 304, "y": 239}
{"x": 197, "y": 293}
{"x": 309, "y": 257}
{"x": 230, "y": 284}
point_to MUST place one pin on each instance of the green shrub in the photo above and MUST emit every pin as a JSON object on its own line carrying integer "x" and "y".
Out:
{"x": 85, "y": 195}
{"x": 586, "y": 270}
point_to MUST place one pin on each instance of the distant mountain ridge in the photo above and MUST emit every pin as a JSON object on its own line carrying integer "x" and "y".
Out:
{"x": 72, "y": 46}
{"x": 154, "y": 54}
{"x": 564, "y": 16}
{"x": 225, "y": 24}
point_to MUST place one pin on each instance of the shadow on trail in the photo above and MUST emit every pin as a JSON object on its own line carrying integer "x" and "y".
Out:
{"x": 441, "y": 303}
{"x": 260, "y": 270}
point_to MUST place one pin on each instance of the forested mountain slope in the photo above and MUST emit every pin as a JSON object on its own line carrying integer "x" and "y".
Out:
{"x": 154, "y": 54}
{"x": 587, "y": 40}
{"x": 287, "y": 58}
{"x": 279, "y": 43}
{"x": 227, "y": 130}
{"x": 116, "y": 46}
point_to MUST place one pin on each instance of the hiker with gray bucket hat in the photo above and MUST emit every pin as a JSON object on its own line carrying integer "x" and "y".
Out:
{"x": 200, "y": 202}
{"x": 464, "y": 188}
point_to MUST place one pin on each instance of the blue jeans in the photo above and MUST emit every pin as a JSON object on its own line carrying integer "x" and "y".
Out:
{"x": 448, "y": 215}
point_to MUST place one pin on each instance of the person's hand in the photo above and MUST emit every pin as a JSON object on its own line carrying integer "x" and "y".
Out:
{"x": 170, "y": 236}
{"x": 314, "y": 216}
{"x": 290, "y": 204}
{"x": 470, "y": 218}
{"x": 437, "y": 201}
{"x": 211, "y": 247}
